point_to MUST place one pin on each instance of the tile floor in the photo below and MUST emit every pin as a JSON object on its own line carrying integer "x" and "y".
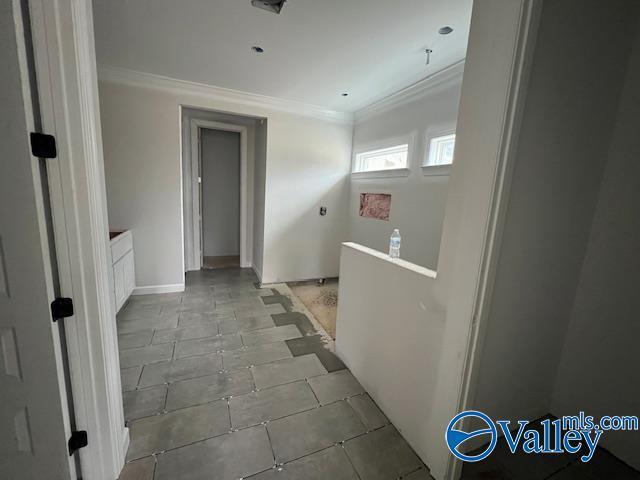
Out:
{"x": 224, "y": 381}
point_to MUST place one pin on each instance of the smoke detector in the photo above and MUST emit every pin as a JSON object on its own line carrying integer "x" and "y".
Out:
{"x": 271, "y": 5}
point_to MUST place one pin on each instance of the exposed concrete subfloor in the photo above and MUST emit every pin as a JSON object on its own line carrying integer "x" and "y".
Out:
{"x": 321, "y": 300}
{"x": 224, "y": 381}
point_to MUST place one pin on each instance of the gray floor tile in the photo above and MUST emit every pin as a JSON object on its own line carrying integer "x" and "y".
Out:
{"x": 155, "y": 322}
{"x": 307, "y": 432}
{"x": 229, "y": 326}
{"x": 135, "y": 339}
{"x": 271, "y": 403}
{"x": 250, "y": 310}
{"x": 139, "y": 469}
{"x": 130, "y": 377}
{"x": 382, "y": 455}
{"x": 573, "y": 472}
{"x": 422, "y": 474}
{"x": 605, "y": 465}
{"x": 207, "y": 389}
{"x": 175, "y": 370}
{"x": 250, "y": 323}
{"x": 175, "y": 429}
{"x": 202, "y": 346}
{"x": 144, "y": 402}
{"x": 227, "y": 457}
{"x": 258, "y": 355}
{"x": 145, "y": 355}
{"x": 529, "y": 467}
{"x": 190, "y": 319}
{"x": 133, "y": 312}
{"x": 315, "y": 344}
{"x": 285, "y": 371}
{"x": 335, "y": 386}
{"x": 270, "y": 335}
{"x": 298, "y": 319}
{"x": 185, "y": 333}
{"x": 329, "y": 464}
{"x": 368, "y": 411}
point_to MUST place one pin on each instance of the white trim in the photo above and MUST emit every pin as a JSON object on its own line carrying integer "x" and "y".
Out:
{"x": 436, "y": 170}
{"x": 391, "y": 173}
{"x": 430, "y": 85}
{"x": 66, "y": 74}
{"x": 134, "y": 78}
{"x": 257, "y": 272}
{"x": 399, "y": 262}
{"x": 126, "y": 440}
{"x": 153, "y": 289}
{"x": 246, "y": 207}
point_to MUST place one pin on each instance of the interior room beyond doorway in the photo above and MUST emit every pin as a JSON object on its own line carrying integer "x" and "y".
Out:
{"x": 220, "y": 197}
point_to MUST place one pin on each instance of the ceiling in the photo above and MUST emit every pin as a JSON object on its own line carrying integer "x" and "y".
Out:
{"x": 315, "y": 50}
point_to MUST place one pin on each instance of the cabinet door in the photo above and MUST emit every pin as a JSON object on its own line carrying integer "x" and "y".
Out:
{"x": 118, "y": 280}
{"x": 129, "y": 274}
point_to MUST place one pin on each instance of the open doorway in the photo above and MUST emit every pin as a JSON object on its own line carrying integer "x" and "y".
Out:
{"x": 223, "y": 173}
{"x": 220, "y": 158}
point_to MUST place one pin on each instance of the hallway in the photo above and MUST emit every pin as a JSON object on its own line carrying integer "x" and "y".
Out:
{"x": 227, "y": 381}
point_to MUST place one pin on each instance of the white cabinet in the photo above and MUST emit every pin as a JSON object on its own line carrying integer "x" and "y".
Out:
{"x": 123, "y": 267}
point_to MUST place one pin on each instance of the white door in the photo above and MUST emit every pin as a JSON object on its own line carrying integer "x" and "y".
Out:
{"x": 34, "y": 420}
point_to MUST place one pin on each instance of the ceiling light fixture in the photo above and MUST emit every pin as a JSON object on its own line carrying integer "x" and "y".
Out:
{"x": 270, "y": 5}
{"x": 446, "y": 30}
{"x": 257, "y": 49}
{"x": 428, "y": 51}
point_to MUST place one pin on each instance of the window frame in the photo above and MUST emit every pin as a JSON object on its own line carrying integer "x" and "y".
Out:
{"x": 408, "y": 140}
{"x": 432, "y": 134}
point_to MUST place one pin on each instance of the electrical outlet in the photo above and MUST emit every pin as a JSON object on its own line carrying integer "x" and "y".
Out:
{"x": 323, "y": 211}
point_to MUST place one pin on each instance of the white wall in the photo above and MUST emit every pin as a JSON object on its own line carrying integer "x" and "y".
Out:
{"x": 598, "y": 371}
{"x": 390, "y": 337}
{"x": 220, "y": 157}
{"x": 566, "y": 131}
{"x": 417, "y": 200}
{"x": 431, "y": 320}
{"x": 307, "y": 163}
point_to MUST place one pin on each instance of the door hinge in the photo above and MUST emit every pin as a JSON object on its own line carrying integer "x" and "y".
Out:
{"x": 43, "y": 145}
{"x": 61, "y": 308}
{"x": 77, "y": 441}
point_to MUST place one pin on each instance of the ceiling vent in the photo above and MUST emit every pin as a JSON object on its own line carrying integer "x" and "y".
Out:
{"x": 271, "y": 5}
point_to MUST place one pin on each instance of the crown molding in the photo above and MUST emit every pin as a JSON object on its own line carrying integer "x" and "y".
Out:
{"x": 430, "y": 85}
{"x": 108, "y": 73}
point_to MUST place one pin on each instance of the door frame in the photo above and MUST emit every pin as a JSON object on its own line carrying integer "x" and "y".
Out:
{"x": 522, "y": 40}
{"x": 67, "y": 83}
{"x": 196, "y": 174}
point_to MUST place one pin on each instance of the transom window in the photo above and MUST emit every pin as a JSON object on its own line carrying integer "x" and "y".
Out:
{"x": 389, "y": 158}
{"x": 441, "y": 150}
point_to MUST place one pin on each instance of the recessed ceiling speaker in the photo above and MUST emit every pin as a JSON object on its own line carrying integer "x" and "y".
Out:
{"x": 270, "y": 5}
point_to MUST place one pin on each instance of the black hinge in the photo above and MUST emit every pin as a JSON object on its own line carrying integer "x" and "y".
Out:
{"x": 43, "y": 146}
{"x": 61, "y": 308}
{"x": 78, "y": 440}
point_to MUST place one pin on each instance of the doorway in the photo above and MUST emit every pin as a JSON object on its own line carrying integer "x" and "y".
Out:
{"x": 220, "y": 160}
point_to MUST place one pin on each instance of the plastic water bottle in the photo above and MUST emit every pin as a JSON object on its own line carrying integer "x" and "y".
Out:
{"x": 394, "y": 244}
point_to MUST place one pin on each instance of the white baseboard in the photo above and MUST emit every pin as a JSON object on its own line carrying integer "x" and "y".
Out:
{"x": 124, "y": 442}
{"x": 150, "y": 289}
